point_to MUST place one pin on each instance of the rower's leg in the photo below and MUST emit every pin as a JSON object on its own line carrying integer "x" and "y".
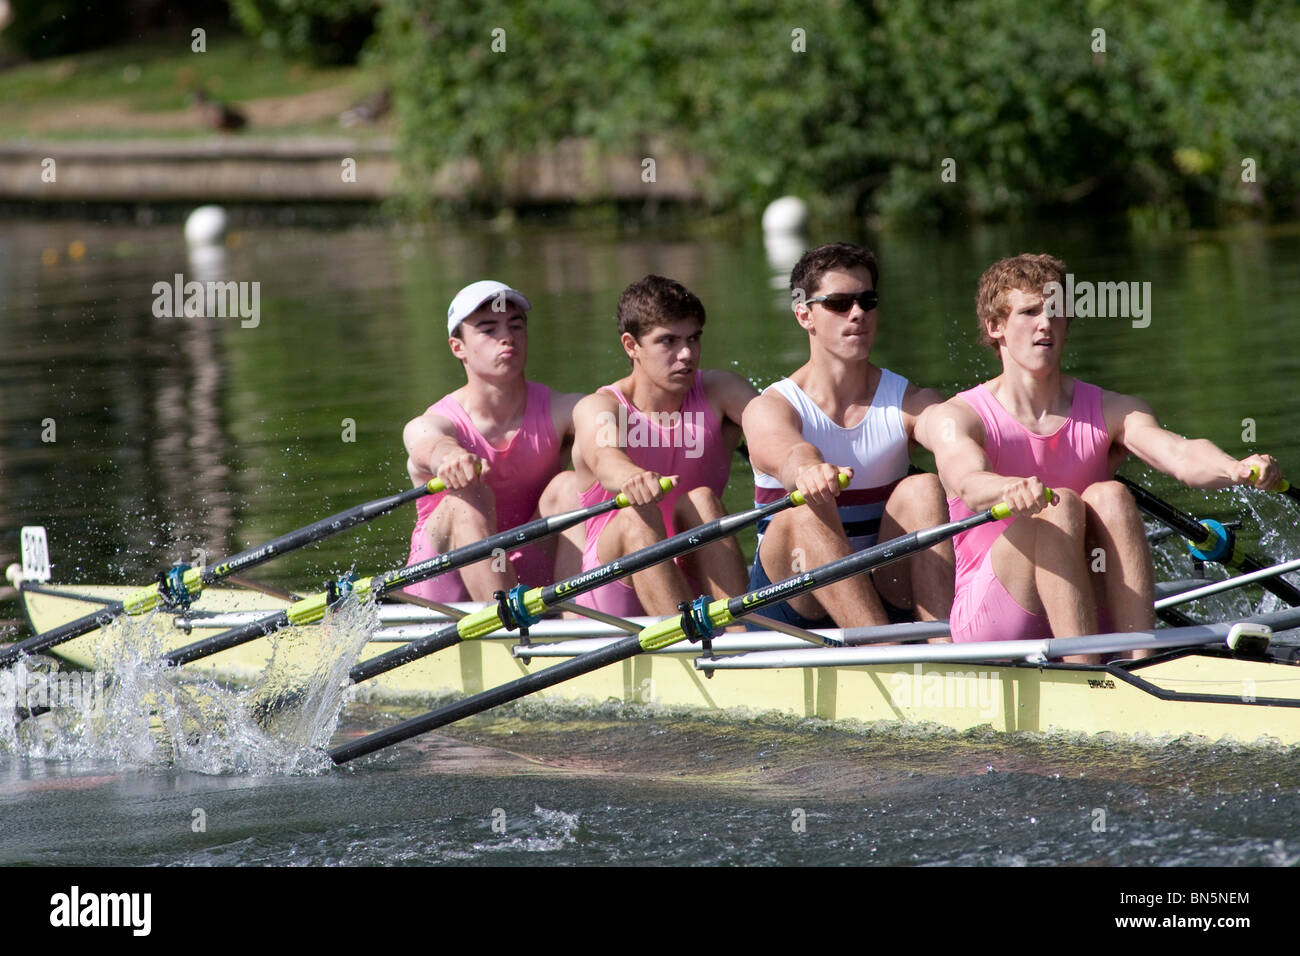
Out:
{"x": 465, "y": 517}
{"x": 1040, "y": 561}
{"x": 804, "y": 538}
{"x": 923, "y": 582}
{"x": 562, "y": 495}
{"x": 1118, "y": 557}
{"x": 719, "y": 567}
{"x": 660, "y": 587}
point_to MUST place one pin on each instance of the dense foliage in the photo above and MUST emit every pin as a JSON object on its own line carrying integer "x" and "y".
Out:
{"x": 1034, "y": 105}
{"x": 326, "y": 31}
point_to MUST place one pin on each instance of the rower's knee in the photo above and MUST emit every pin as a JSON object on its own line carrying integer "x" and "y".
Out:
{"x": 698, "y": 506}
{"x": 919, "y": 500}
{"x": 1068, "y": 513}
{"x": 1109, "y": 500}
{"x": 561, "y": 494}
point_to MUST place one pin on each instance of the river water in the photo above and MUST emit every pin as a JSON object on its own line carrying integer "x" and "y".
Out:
{"x": 137, "y": 439}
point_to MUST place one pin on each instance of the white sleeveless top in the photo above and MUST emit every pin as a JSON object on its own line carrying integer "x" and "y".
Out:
{"x": 875, "y": 448}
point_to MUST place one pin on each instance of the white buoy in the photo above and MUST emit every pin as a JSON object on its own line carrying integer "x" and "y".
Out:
{"x": 789, "y": 214}
{"x": 206, "y": 226}
{"x": 14, "y": 574}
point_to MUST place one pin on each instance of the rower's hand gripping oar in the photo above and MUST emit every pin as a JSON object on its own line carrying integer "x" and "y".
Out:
{"x": 704, "y": 617}
{"x": 522, "y": 608}
{"x": 1283, "y": 487}
{"x": 181, "y": 584}
{"x": 312, "y": 608}
{"x": 1209, "y": 540}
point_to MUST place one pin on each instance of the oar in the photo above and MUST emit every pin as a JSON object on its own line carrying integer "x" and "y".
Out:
{"x": 700, "y": 621}
{"x": 1283, "y": 487}
{"x": 1031, "y": 651}
{"x": 183, "y": 583}
{"x": 1210, "y": 540}
{"x": 1230, "y": 584}
{"x": 522, "y": 608}
{"x": 312, "y": 608}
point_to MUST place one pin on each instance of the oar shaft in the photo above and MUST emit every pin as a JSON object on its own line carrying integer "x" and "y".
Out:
{"x": 523, "y": 686}
{"x": 1228, "y": 584}
{"x": 314, "y": 532}
{"x": 663, "y": 634}
{"x": 199, "y": 577}
{"x": 391, "y": 580}
{"x": 1199, "y": 535}
{"x": 488, "y": 621}
{"x": 227, "y": 639}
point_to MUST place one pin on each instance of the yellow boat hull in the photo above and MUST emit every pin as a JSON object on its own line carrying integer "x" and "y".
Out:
{"x": 1196, "y": 693}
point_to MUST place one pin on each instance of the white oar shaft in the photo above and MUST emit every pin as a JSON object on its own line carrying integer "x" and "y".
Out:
{"x": 1228, "y": 584}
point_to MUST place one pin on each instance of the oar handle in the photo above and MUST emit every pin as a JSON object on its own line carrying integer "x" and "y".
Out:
{"x": 1283, "y": 487}
{"x": 796, "y": 497}
{"x": 667, "y": 484}
{"x": 663, "y": 634}
{"x": 536, "y": 601}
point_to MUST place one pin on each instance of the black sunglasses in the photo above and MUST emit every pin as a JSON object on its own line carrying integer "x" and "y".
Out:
{"x": 841, "y": 302}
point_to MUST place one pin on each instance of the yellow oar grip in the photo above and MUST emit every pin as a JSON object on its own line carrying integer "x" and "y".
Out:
{"x": 1283, "y": 486}
{"x": 1003, "y": 510}
{"x": 667, "y": 484}
{"x": 796, "y": 497}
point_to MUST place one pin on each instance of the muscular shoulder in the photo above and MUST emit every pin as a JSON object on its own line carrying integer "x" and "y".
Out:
{"x": 429, "y": 426}
{"x": 917, "y": 399}
{"x": 729, "y": 392}
{"x": 588, "y": 406}
{"x": 1118, "y": 408}
{"x": 771, "y": 408}
{"x": 945, "y": 420}
{"x": 563, "y": 405}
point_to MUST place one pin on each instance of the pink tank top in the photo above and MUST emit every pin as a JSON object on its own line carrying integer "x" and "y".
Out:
{"x": 688, "y": 445}
{"x": 1075, "y": 456}
{"x": 518, "y": 473}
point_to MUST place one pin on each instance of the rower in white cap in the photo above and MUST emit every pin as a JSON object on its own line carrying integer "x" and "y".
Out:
{"x": 500, "y": 443}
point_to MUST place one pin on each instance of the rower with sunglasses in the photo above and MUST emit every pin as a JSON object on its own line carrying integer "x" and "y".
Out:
{"x": 840, "y": 413}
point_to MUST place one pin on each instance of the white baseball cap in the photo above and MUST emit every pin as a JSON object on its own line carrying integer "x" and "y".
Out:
{"x": 474, "y": 295}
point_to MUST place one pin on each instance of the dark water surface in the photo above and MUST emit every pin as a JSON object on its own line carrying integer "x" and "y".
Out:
{"x": 177, "y": 434}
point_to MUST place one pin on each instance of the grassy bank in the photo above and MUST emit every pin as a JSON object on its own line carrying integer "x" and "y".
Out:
{"x": 145, "y": 89}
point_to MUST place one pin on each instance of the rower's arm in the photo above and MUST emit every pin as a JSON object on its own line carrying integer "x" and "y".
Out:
{"x": 916, "y": 402}
{"x": 433, "y": 449}
{"x": 729, "y": 393}
{"x": 954, "y": 432}
{"x": 562, "y": 406}
{"x": 774, "y": 435}
{"x": 598, "y": 453}
{"x": 1197, "y": 462}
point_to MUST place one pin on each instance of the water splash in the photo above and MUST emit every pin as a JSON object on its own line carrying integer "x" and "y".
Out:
{"x": 152, "y": 715}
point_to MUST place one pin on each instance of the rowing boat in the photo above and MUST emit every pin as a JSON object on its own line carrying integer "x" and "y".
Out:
{"x": 1204, "y": 691}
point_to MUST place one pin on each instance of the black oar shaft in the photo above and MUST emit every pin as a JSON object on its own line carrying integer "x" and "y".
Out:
{"x": 679, "y": 544}
{"x": 311, "y": 533}
{"x": 249, "y": 558}
{"x": 1195, "y": 532}
{"x": 627, "y": 647}
{"x": 227, "y": 639}
{"x": 392, "y": 580}
{"x": 528, "y": 684}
